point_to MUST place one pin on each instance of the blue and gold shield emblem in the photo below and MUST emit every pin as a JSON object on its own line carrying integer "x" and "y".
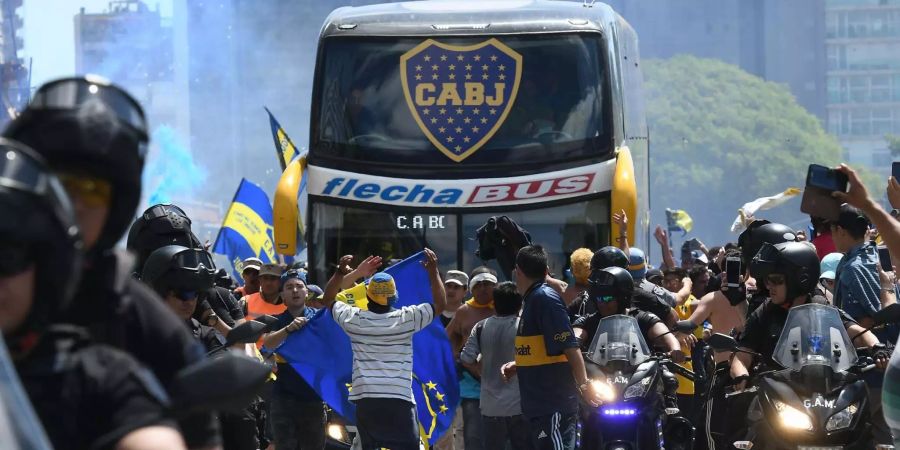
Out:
{"x": 460, "y": 95}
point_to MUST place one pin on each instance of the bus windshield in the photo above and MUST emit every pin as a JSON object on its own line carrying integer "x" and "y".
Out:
{"x": 558, "y": 105}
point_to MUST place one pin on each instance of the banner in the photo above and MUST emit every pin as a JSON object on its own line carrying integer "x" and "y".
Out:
{"x": 679, "y": 220}
{"x": 284, "y": 147}
{"x": 247, "y": 228}
{"x": 321, "y": 354}
{"x": 746, "y": 212}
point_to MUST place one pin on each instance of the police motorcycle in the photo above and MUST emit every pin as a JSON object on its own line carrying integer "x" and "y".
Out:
{"x": 815, "y": 398}
{"x": 633, "y": 385}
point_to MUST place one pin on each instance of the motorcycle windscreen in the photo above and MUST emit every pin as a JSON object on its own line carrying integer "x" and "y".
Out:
{"x": 618, "y": 338}
{"x": 814, "y": 335}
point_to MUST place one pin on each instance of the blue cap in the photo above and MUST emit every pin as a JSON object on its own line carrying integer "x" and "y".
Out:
{"x": 637, "y": 263}
{"x": 293, "y": 273}
{"x": 829, "y": 264}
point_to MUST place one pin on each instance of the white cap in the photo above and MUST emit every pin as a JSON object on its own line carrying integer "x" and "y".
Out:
{"x": 483, "y": 276}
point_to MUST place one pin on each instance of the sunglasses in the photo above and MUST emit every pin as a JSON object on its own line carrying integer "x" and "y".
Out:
{"x": 17, "y": 257}
{"x": 775, "y": 279}
{"x": 93, "y": 191}
{"x": 605, "y": 298}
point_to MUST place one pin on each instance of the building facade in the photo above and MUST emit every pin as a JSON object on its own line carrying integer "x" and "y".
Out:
{"x": 132, "y": 46}
{"x": 863, "y": 77}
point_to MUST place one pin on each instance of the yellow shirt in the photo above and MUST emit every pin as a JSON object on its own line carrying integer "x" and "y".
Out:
{"x": 684, "y": 311}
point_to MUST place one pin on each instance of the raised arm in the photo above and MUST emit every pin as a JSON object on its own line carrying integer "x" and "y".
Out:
{"x": 365, "y": 269}
{"x": 334, "y": 284}
{"x": 663, "y": 239}
{"x": 438, "y": 295}
{"x": 621, "y": 220}
{"x": 858, "y": 196}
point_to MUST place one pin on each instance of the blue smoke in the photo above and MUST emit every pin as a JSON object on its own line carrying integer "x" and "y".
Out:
{"x": 171, "y": 173}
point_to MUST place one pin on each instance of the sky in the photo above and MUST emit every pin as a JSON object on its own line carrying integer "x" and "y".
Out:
{"x": 50, "y": 37}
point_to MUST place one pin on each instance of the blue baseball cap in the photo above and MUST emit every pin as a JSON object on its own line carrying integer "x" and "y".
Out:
{"x": 637, "y": 263}
{"x": 829, "y": 264}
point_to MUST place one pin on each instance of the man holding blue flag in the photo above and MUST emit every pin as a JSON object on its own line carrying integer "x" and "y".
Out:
{"x": 382, "y": 343}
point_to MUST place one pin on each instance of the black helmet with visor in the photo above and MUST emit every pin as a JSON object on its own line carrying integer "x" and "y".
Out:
{"x": 797, "y": 262}
{"x": 179, "y": 268}
{"x": 87, "y": 127}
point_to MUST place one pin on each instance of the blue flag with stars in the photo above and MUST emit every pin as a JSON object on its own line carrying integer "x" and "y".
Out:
{"x": 460, "y": 95}
{"x": 321, "y": 354}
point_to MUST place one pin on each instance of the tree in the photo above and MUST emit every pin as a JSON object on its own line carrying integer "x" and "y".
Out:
{"x": 720, "y": 137}
{"x": 893, "y": 145}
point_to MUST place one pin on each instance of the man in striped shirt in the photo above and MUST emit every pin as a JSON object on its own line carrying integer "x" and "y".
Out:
{"x": 381, "y": 339}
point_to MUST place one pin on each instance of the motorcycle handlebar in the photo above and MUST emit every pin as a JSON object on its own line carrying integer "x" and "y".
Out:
{"x": 742, "y": 391}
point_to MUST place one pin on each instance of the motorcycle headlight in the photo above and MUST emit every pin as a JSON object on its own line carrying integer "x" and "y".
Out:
{"x": 603, "y": 390}
{"x": 338, "y": 433}
{"x": 638, "y": 389}
{"x": 841, "y": 419}
{"x": 792, "y": 418}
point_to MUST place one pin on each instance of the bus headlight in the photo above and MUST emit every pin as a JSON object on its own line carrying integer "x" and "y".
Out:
{"x": 841, "y": 419}
{"x": 792, "y": 418}
{"x": 603, "y": 390}
{"x": 338, "y": 433}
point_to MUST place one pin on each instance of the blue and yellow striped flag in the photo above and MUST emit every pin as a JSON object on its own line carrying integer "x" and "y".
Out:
{"x": 679, "y": 220}
{"x": 284, "y": 147}
{"x": 247, "y": 228}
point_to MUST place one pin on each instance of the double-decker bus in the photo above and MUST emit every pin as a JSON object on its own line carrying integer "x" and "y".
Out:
{"x": 430, "y": 117}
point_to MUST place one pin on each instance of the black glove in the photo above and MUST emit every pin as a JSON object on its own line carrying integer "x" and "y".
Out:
{"x": 882, "y": 351}
{"x": 202, "y": 311}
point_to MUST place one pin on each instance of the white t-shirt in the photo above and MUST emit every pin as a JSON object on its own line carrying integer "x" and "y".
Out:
{"x": 382, "y": 348}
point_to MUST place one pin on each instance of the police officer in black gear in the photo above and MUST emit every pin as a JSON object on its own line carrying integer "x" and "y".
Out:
{"x": 790, "y": 271}
{"x": 610, "y": 256}
{"x": 167, "y": 224}
{"x": 178, "y": 274}
{"x": 86, "y": 395}
{"x": 611, "y": 290}
{"x": 750, "y": 241}
{"x": 160, "y": 225}
{"x": 94, "y": 136}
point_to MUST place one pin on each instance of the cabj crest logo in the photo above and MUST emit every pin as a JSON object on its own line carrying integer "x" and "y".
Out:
{"x": 460, "y": 95}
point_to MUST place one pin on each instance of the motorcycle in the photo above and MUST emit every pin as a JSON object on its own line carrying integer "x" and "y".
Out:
{"x": 634, "y": 386}
{"x": 815, "y": 398}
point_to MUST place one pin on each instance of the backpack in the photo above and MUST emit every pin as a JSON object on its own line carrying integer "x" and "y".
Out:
{"x": 501, "y": 238}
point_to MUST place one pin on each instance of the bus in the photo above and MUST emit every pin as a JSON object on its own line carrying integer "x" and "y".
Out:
{"x": 428, "y": 118}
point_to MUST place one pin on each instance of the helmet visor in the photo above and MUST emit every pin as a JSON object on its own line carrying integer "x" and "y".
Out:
{"x": 194, "y": 258}
{"x": 21, "y": 171}
{"x": 765, "y": 262}
{"x": 75, "y": 93}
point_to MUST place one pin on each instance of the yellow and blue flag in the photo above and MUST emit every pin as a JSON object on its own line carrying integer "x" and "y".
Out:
{"x": 247, "y": 228}
{"x": 321, "y": 354}
{"x": 679, "y": 220}
{"x": 284, "y": 147}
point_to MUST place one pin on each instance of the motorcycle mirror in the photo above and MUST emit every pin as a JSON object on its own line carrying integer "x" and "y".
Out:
{"x": 719, "y": 341}
{"x": 270, "y": 321}
{"x": 685, "y": 326}
{"x": 889, "y": 314}
{"x": 245, "y": 333}
{"x": 225, "y": 383}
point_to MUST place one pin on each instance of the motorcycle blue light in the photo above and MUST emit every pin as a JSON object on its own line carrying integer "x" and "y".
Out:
{"x": 615, "y": 412}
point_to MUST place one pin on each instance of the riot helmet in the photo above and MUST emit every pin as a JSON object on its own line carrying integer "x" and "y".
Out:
{"x": 759, "y": 232}
{"x": 179, "y": 268}
{"x": 796, "y": 261}
{"x": 39, "y": 230}
{"x": 611, "y": 283}
{"x": 609, "y": 256}
{"x": 160, "y": 225}
{"x": 224, "y": 280}
{"x": 88, "y": 126}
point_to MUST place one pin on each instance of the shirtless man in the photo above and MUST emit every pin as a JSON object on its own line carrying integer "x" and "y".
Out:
{"x": 481, "y": 306}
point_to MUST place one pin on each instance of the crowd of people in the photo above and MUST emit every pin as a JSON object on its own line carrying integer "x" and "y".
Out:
{"x": 101, "y": 337}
